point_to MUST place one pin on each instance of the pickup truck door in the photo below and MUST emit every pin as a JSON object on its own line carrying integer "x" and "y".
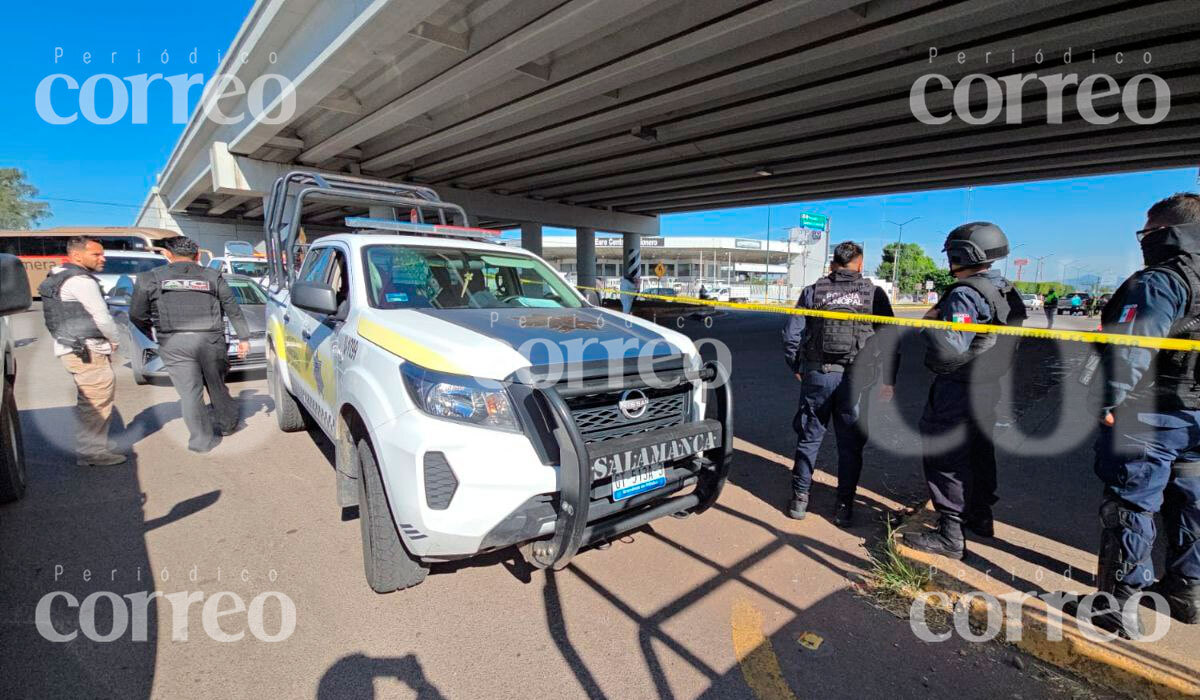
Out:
{"x": 314, "y": 337}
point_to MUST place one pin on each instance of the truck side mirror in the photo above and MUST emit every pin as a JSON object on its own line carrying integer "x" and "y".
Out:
{"x": 15, "y": 295}
{"x": 315, "y": 297}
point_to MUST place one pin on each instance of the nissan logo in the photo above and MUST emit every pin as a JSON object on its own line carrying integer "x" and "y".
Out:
{"x": 633, "y": 403}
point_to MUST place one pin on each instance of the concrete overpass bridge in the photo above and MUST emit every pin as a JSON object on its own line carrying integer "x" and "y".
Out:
{"x": 600, "y": 115}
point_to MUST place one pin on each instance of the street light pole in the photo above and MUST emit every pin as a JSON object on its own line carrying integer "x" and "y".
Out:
{"x": 896, "y": 258}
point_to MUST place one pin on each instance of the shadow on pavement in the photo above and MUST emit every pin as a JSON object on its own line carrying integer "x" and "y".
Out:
{"x": 354, "y": 676}
{"x": 79, "y": 531}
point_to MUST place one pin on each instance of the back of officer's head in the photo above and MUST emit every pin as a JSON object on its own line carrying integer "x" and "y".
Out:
{"x": 1176, "y": 210}
{"x": 182, "y": 248}
{"x": 848, "y": 254}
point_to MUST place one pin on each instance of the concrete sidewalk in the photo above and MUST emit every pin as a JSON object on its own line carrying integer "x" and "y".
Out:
{"x": 1018, "y": 562}
{"x": 1048, "y": 533}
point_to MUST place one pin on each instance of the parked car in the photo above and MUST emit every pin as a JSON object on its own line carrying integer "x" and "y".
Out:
{"x": 250, "y": 266}
{"x": 127, "y": 263}
{"x": 446, "y": 371}
{"x": 14, "y": 298}
{"x": 1066, "y": 304}
{"x": 1032, "y": 301}
{"x": 142, "y": 352}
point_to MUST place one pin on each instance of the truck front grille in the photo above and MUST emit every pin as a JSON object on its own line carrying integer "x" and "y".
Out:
{"x": 598, "y": 416}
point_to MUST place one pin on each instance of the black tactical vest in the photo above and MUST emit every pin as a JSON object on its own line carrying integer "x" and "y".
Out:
{"x": 1173, "y": 379}
{"x": 185, "y": 299}
{"x": 989, "y": 356}
{"x": 68, "y": 321}
{"x": 837, "y": 342}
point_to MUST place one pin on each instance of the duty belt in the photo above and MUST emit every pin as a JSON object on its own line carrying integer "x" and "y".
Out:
{"x": 818, "y": 367}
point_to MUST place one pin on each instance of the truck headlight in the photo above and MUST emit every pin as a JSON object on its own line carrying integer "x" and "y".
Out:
{"x": 460, "y": 398}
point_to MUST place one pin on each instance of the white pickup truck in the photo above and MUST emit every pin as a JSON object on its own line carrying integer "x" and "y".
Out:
{"x": 476, "y": 399}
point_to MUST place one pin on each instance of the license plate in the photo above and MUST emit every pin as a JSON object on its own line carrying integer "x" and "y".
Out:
{"x": 637, "y": 481}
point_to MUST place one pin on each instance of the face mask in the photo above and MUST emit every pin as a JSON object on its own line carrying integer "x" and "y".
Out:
{"x": 1165, "y": 242}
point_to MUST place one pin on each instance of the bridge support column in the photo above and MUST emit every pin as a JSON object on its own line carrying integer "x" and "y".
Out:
{"x": 531, "y": 238}
{"x": 585, "y": 256}
{"x": 632, "y": 271}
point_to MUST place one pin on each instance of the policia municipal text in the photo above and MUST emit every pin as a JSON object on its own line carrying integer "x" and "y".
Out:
{"x": 184, "y": 303}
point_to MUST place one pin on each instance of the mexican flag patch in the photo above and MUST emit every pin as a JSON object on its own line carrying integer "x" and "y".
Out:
{"x": 961, "y": 318}
{"x": 1128, "y": 313}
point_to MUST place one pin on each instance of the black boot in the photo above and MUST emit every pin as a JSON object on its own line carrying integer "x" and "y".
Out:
{"x": 797, "y": 508}
{"x": 979, "y": 521}
{"x": 947, "y": 540}
{"x": 843, "y": 512}
{"x": 1120, "y": 619}
{"x": 1123, "y": 619}
{"x": 1182, "y": 596}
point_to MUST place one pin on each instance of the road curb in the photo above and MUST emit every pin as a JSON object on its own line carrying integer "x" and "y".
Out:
{"x": 1123, "y": 666}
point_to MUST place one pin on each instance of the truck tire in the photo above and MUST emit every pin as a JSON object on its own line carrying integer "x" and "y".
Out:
{"x": 139, "y": 378}
{"x": 12, "y": 451}
{"x": 388, "y": 565}
{"x": 288, "y": 414}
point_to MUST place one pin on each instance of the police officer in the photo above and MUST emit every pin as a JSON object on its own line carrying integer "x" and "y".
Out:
{"x": 184, "y": 303}
{"x": 836, "y": 362}
{"x": 960, "y": 414}
{"x": 1148, "y": 449}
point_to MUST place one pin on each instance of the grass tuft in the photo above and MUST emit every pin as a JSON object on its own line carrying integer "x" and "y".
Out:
{"x": 892, "y": 573}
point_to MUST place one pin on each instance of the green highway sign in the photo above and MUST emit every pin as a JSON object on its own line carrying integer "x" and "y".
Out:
{"x": 814, "y": 221}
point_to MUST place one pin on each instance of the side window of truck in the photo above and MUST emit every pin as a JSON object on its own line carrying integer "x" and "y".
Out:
{"x": 316, "y": 266}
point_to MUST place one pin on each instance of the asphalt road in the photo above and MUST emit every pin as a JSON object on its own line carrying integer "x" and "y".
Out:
{"x": 710, "y": 606}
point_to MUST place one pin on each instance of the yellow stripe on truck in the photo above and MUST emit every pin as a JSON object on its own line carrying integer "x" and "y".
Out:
{"x": 1140, "y": 341}
{"x": 400, "y": 346}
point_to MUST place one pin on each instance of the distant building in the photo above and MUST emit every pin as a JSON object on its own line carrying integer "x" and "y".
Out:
{"x": 775, "y": 272}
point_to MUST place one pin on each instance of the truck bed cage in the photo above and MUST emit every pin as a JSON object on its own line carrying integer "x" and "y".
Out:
{"x": 284, "y": 210}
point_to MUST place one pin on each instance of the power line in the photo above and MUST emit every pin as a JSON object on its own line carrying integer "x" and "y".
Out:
{"x": 91, "y": 201}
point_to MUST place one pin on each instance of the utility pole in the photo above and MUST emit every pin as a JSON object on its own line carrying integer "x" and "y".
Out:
{"x": 1037, "y": 274}
{"x": 896, "y": 258}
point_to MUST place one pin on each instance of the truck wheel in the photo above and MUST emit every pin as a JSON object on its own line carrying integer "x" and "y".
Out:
{"x": 12, "y": 451}
{"x": 388, "y": 565}
{"x": 139, "y": 378}
{"x": 288, "y": 414}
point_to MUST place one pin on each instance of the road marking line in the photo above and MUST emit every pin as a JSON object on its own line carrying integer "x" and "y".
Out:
{"x": 755, "y": 655}
{"x": 1140, "y": 341}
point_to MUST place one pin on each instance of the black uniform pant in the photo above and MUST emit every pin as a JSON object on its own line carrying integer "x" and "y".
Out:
{"x": 956, "y": 432}
{"x": 826, "y": 396}
{"x": 196, "y": 361}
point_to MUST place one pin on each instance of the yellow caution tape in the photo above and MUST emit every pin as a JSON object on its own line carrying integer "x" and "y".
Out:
{"x": 1140, "y": 341}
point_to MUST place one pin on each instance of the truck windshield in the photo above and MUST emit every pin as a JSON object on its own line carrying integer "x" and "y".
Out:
{"x": 249, "y": 268}
{"x": 405, "y": 277}
{"x": 117, "y": 265}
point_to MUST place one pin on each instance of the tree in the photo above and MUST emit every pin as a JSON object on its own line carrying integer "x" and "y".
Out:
{"x": 915, "y": 266}
{"x": 942, "y": 279}
{"x": 18, "y": 210}
{"x": 1043, "y": 288}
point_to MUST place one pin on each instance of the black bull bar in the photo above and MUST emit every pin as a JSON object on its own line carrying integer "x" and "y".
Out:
{"x": 572, "y": 529}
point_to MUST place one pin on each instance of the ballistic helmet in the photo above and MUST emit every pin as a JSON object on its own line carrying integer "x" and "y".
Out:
{"x": 976, "y": 243}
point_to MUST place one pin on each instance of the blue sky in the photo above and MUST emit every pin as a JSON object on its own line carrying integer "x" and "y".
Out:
{"x": 1085, "y": 221}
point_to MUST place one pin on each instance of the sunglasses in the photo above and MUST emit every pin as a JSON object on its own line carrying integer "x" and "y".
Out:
{"x": 1147, "y": 231}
